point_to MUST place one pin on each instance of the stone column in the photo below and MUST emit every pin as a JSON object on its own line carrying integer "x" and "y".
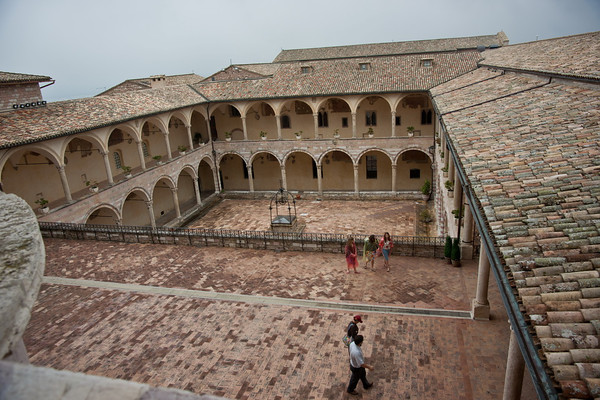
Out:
{"x": 140, "y": 150}
{"x": 466, "y": 245}
{"x": 109, "y": 176}
{"x": 394, "y": 168}
{"x": 457, "y": 192}
{"x": 356, "y": 179}
{"x": 445, "y": 151}
{"x": 151, "y": 213}
{"x": 197, "y": 191}
{"x": 250, "y": 177}
{"x": 283, "y": 177}
{"x": 480, "y": 306}
{"x": 208, "y": 130}
{"x": 65, "y": 183}
{"x": 319, "y": 180}
{"x": 176, "y": 202}
{"x": 244, "y": 128}
{"x": 515, "y": 366}
{"x": 189, "y": 134}
{"x": 393, "y": 123}
{"x": 354, "y": 125}
{"x": 216, "y": 180}
{"x": 278, "y": 122}
{"x": 168, "y": 144}
{"x": 316, "y": 123}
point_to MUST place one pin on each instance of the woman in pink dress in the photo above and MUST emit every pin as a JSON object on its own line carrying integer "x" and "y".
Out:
{"x": 351, "y": 259}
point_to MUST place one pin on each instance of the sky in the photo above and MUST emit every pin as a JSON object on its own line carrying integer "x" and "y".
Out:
{"x": 90, "y": 46}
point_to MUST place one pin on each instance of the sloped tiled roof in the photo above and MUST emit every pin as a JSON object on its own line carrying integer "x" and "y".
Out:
{"x": 392, "y": 48}
{"x": 234, "y": 73}
{"x": 530, "y": 148}
{"x": 73, "y": 116}
{"x": 11, "y": 77}
{"x": 145, "y": 83}
{"x": 343, "y": 76}
{"x": 571, "y": 56}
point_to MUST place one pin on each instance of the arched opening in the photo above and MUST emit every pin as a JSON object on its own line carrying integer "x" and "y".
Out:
{"x": 84, "y": 166}
{"x": 373, "y": 115}
{"x": 155, "y": 142}
{"x": 299, "y": 118}
{"x": 206, "y": 181}
{"x": 178, "y": 138}
{"x": 261, "y": 117}
{"x": 103, "y": 216}
{"x": 338, "y": 171}
{"x": 415, "y": 111}
{"x": 234, "y": 174}
{"x": 374, "y": 171}
{"x": 335, "y": 118}
{"x": 227, "y": 120}
{"x": 135, "y": 209}
{"x": 186, "y": 192}
{"x": 123, "y": 152}
{"x": 413, "y": 169}
{"x": 267, "y": 173}
{"x": 162, "y": 202}
{"x": 199, "y": 129}
{"x": 301, "y": 172}
{"x": 25, "y": 167}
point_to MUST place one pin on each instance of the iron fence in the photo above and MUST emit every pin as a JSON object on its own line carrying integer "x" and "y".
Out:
{"x": 416, "y": 246}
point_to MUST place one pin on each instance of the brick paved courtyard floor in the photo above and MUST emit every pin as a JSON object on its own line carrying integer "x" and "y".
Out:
{"x": 112, "y": 315}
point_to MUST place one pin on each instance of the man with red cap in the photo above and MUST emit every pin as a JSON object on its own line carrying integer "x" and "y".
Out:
{"x": 352, "y": 329}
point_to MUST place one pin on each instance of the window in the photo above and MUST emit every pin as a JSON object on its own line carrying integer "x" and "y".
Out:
{"x": 233, "y": 112}
{"x": 426, "y": 117}
{"x": 118, "y": 160}
{"x": 415, "y": 173}
{"x": 323, "y": 120}
{"x": 344, "y": 122}
{"x": 285, "y": 122}
{"x": 371, "y": 118}
{"x": 145, "y": 149}
{"x": 364, "y": 66}
{"x": 427, "y": 62}
{"x": 371, "y": 164}
{"x": 398, "y": 121}
{"x": 306, "y": 70}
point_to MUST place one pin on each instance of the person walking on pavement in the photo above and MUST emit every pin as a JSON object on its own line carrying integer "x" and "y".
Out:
{"x": 352, "y": 329}
{"x": 357, "y": 366}
{"x": 385, "y": 246}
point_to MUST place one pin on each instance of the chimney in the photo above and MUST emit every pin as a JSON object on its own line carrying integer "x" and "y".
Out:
{"x": 158, "y": 81}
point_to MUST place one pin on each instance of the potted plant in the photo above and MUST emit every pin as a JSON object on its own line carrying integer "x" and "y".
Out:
{"x": 157, "y": 158}
{"x": 448, "y": 250}
{"x": 92, "y": 186}
{"x": 370, "y": 132}
{"x": 228, "y": 136}
{"x": 298, "y": 135}
{"x": 182, "y": 149}
{"x": 263, "y": 135}
{"x": 455, "y": 255}
{"x": 445, "y": 171}
{"x": 127, "y": 171}
{"x": 426, "y": 189}
{"x": 43, "y": 205}
{"x": 410, "y": 130}
{"x": 449, "y": 185}
{"x": 426, "y": 216}
{"x": 336, "y": 133}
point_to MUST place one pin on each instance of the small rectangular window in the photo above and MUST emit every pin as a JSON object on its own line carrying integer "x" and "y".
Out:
{"x": 371, "y": 118}
{"x": 364, "y": 66}
{"x": 344, "y": 122}
{"x": 398, "y": 121}
{"x": 415, "y": 173}
{"x": 427, "y": 62}
{"x": 306, "y": 70}
{"x": 371, "y": 165}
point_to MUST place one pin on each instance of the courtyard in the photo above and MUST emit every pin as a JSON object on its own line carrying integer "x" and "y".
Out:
{"x": 255, "y": 324}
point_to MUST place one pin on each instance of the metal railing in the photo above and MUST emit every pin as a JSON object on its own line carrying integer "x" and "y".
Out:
{"x": 416, "y": 246}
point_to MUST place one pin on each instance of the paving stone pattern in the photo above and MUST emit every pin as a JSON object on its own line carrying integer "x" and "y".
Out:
{"x": 243, "y": 350}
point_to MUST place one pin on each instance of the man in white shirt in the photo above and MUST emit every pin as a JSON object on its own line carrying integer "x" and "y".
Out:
{"x": 357, "y": 366}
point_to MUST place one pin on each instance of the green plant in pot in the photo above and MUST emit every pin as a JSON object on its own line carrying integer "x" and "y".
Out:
{"x": 426, "y": 189}
{"x": 263, "y": 135}
{"x": 455, "y": 254}
{"x": 448, "y": 250}
{"x": 410, "y": 130}
{"x": 127, "y": 171}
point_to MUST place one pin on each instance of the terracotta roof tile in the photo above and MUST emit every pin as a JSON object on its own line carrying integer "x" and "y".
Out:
{"x": 11, "y": 77}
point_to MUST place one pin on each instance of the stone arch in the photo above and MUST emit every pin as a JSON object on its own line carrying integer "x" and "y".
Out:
{"x": 374, "y": 112}
{"x": 33, "y": 163}
{"x": 300, "y": 113}
{"x": 135, "y": 208}
{"x": 409, "y": 109}
{"x": 374, "y": 172}
{"x": 337, "y": 166}
{"x": 122, "y": 140}
{"x": 103, "y": 214}
{"x": 86, "y": 166}
{"x": 153, "y": 134}
{"x": 206, "y": 174}
{"x": 301, "y": 171}
{"x": 186, "y": 190}
{"x": 260, "y": 116}
{"x": 266, "y": 169}
{"x": 233, "y": 172}
{"x": 334, "y": 116}
{"x": 199, "y": 127}
{"x": 225, "y": 117}
{"x": 413, "y": 168}
{"x": 163, "y": 203}
{"x": 178, "y": 133}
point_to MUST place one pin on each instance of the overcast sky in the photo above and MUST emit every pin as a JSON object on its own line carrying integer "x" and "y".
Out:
{"x": 90, "y": 46}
